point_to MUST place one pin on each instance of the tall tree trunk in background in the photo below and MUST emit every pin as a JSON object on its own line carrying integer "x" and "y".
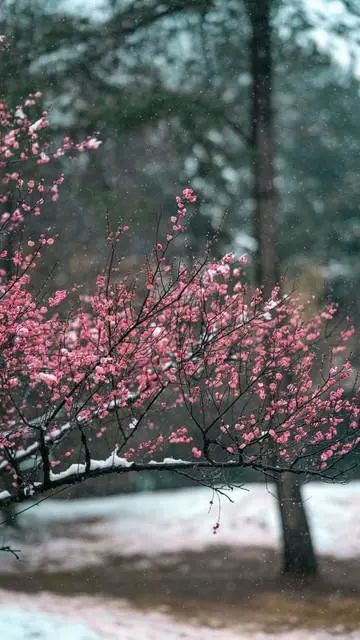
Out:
{"x": 298, "y": 552}
{"x": 262, "y": 145}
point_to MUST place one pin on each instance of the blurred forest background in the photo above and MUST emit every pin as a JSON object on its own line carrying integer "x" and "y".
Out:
{"x": 169, "y": 89}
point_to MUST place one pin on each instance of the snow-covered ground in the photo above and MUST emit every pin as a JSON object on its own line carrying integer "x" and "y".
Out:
{"x": 69, "y": 535}
{"x": 48, "y": 617}
{"x": 173, "y": 521}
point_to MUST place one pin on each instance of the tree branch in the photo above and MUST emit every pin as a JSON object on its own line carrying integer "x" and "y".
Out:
{"x": 77, "y": 473}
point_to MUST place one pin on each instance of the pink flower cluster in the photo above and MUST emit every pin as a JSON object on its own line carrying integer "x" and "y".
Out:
{"x": 22, "y": 146}
{"x": 190, "y": 360}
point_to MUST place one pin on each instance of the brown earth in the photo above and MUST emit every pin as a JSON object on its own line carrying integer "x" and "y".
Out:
{"x": 217, "y": 587}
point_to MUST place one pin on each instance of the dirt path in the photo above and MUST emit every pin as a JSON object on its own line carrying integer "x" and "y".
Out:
{"x": 156, "y": 554}
{"x": 218, "y": 587}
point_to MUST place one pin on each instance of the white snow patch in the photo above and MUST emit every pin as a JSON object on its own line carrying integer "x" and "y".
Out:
{"x": 153, "y": 523}
{"x": 28, "y": 624}
{"x": 173, "y": 521}
{"x": 111, "y": 462}
{"x": 133, "y": 423}
{"x": 45, "y": 617}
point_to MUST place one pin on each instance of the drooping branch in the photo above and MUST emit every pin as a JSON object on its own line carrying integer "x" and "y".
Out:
{"x": 77, "y": 473}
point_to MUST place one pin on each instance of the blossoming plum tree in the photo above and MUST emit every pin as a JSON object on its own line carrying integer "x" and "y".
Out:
{"x": 181, "y": 367}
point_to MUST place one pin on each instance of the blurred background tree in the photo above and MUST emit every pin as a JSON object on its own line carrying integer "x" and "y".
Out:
{"x": 168, "y": 86}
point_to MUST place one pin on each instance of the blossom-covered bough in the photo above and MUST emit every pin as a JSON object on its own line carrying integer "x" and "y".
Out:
{"x": 181, "y": 367}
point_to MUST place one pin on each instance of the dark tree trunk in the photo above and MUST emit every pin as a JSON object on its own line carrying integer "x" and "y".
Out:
{"x": 298, "y": 552}
{"x": 262, "y": 145}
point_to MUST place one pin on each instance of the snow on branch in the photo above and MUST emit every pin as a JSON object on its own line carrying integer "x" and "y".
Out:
{"x": 187, "y": 369}
{"x": 76, "y": 473}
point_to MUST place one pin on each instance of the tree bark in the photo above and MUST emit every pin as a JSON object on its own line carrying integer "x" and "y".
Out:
{"x": 298, "y": 552}
{"x": 262, "y": 145}
{"x": 299, "y": 558}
